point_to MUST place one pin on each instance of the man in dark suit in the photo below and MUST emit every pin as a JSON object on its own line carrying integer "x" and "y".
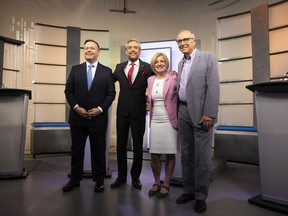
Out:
{"x": 131, "y": 111}
{"x": 89, "y": 91}
{"x": 198, "y": 90}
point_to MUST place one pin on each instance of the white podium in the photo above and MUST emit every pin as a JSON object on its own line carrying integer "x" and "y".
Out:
{"x": 13, "y": 115}
{"x": 271, "y": 100}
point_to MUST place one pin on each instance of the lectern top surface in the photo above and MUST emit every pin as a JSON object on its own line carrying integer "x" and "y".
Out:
{"x": 14, "y": 92}
{"x": 270, "y": 87}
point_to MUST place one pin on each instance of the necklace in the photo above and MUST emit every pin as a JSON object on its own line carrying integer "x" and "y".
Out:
{"x": 157, "y": 86}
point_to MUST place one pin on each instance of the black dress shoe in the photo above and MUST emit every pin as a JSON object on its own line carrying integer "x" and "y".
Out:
{"x": 137, "y": 184}
{"x": 70, "y": 186}
{"x": 200, "y": 206}
{"x": 184, "y": 198}
{"x": 99, "y": 188}
{"x": 118, "y": 182}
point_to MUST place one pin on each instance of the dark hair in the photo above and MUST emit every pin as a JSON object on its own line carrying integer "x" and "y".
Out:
{"x": 90, "y": 40}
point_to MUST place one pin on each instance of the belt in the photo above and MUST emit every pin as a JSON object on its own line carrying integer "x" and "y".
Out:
{"x": 183, "y": 103}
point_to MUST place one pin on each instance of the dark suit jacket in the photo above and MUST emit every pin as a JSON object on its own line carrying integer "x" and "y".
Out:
{"x": 132, "y": 99}
{"x": 101, "y": 93}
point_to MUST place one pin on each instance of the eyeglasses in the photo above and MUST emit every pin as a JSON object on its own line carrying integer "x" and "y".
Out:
{"x": 185, "y": 40}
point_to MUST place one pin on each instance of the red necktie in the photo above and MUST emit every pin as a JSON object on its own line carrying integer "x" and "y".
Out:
{"x": 130, "y": 72}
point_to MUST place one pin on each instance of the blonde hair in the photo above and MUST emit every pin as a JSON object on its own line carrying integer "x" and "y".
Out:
{"x": 154, "y": 58}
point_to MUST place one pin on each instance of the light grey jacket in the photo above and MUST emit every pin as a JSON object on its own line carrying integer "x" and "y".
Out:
{"x": 203, "y": 87}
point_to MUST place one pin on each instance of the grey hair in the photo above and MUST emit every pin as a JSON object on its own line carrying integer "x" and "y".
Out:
{"x": 130, "y": 40}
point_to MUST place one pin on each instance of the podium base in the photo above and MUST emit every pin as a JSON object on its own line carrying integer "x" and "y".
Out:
{"x": 24, "y": 174}
{"x": 257, "y": 200}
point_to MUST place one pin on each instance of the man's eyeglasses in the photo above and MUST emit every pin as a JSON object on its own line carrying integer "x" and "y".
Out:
{"x": 185, "y": 40}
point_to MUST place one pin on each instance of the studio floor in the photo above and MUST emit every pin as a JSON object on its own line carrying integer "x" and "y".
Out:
{"x": 40, "y": 193}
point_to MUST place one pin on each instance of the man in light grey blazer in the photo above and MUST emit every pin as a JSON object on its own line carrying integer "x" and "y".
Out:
{"x": 198, "y": 91}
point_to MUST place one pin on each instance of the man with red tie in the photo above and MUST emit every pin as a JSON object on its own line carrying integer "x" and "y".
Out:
{"x": 132, "y": 76}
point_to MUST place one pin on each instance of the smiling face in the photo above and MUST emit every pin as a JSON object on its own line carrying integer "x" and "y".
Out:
{"x": 186, "y": 42}
{"x": 133, "y": 51}
{"x": 91, "y": 51}
{"x": 160, "y": 65}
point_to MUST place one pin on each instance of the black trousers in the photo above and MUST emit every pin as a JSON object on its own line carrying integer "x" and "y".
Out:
{"x": 137, "y": 126}
{"x": 97, "y": 136}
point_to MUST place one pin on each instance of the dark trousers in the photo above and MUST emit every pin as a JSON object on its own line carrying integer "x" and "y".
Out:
{"x": 97, "y": 136}
{"x": 137, "y": 128}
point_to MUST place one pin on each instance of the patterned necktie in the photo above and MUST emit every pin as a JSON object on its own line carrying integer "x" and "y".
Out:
{"x": 130, "y": 72}
{"x": 89, "y": 75}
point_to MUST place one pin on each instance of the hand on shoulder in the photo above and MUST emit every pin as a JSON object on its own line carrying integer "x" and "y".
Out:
{"x": 173, "y": 73}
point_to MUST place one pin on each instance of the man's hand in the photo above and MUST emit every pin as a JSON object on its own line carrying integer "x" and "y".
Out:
{"x": 93, "y": 112}
{"x": 173, "y": 73}
{"x": 206, "y": 122}
{"x": 82, "y": 112}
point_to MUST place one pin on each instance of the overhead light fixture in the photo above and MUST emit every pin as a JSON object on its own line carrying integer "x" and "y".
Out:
{"x": 124, "y": 10}
{"x": 215, "y": 2}
{"x": 222, "y": 3}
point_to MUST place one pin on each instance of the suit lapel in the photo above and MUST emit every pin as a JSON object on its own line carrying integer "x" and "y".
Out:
{"x": 96, "y": 75}
{"x": 194, "y": 65}
{"x": 180, "y": 67}
{"x": 122, "y": 71}
{"x": 167, "y": 82}
{"x": 83, "y": 75}
{"x": 141, "y": 69}
{"x": 150, "y": 87}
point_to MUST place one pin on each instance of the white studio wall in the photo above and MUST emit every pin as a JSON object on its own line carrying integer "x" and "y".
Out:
{"x": 19, "y": 18}
{"x": 156, "y": 46}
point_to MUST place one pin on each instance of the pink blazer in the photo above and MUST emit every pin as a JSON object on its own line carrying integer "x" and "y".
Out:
{"x": 170, "y": 97}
